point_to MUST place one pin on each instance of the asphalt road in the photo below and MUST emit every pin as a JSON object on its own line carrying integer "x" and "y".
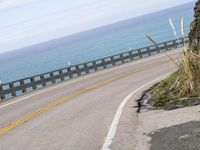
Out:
{"x": 77, "y": 114}
{"x": 180, "y": 137}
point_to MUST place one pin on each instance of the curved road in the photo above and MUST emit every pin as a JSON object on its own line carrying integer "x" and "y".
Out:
{"x": 78, "y": 114}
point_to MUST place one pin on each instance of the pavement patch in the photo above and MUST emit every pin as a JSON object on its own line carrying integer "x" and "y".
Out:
{"x": 180, "y": 137}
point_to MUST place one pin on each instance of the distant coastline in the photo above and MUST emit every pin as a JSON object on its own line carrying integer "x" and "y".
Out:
{"x": 99, "y": 30}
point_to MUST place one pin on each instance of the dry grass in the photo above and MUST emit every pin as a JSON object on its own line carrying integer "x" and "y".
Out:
{"x": 183, "y": 84}
{"x": 188, "y": 78}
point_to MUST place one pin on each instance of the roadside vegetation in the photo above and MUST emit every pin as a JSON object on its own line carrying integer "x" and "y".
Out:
{"x": 182, "y": 88}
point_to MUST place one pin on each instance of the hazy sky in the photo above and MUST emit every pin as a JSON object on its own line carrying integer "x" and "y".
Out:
{"x": 26, "y": 22}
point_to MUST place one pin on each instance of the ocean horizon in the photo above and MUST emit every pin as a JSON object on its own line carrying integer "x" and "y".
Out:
{"x": 93, "y": 44}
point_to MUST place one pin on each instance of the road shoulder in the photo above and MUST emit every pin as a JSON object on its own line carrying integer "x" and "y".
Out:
{"x": 159, "y": 128}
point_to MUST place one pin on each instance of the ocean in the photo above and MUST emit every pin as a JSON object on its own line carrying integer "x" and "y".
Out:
{"x": 93, "y": 44}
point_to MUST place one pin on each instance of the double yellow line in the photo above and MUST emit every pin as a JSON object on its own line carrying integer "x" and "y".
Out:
{"x": 71, "y": 96}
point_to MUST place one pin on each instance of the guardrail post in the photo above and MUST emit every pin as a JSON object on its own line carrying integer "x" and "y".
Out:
{"x": 149, "y": 51}
{"x": 33, "y": 83}
{"x": 95, "y": 65}
{"x": 140, "y": 53}
{"x": 52, "y": 77}
{"x": 61, "y": 75}
{"x": 183, "y": 41}
{"x": 158, "y": 49}
{"x": 86, "y": 68}
{"x": 175, "y": 44}
{"x": 113, "y": 61}
{"x": 78, "y": 71}
{"x": 104, "y": 63}
{"x": 2, "y": 96}
{"x": 131, "y": 55}
{"x": 69, "y": 72}
{"x": 22, "y": 86}
{"x": 122, "y": 58}
{"x": 13, "y": 92}
{"x": 43, "y": 79}
{"x": 165, "y": 45}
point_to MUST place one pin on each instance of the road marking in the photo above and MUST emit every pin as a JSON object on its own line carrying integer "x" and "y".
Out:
{"x": 67, "y": 83}
{"x": 68, "y": 97}
{"x": 111, "y": 134}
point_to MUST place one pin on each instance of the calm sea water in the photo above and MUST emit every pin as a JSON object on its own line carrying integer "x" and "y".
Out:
{"x": 93, "y": 44}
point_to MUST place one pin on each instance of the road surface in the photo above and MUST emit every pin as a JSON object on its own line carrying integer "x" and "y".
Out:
{"x": 180, "y": 137}
{"x": 78, "y": 114}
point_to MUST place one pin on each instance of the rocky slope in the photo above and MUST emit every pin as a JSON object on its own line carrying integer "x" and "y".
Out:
{"x": 194, "y": 34}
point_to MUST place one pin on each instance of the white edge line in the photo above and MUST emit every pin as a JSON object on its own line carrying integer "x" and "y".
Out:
{"x": 55, "y": 87}
{"x": 111, "y": 134}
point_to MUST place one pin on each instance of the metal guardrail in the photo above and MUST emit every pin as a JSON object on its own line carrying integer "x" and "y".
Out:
{"x": 15, "y": 88}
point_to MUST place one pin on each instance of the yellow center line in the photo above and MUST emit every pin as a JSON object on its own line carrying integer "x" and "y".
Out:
{"x": 73, "y": 95}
